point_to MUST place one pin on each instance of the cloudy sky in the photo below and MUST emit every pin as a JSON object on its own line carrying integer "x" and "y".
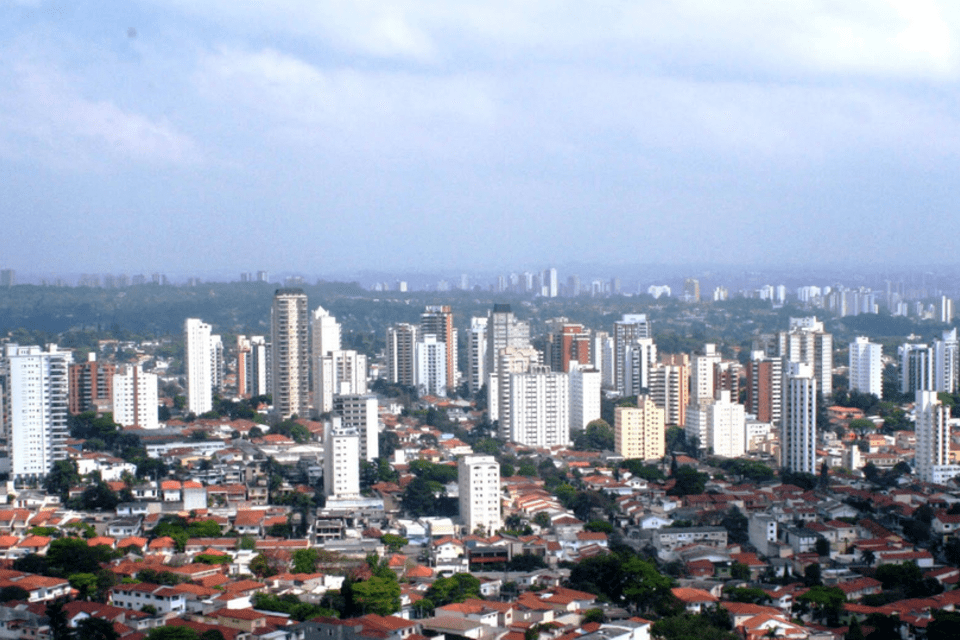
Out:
{"x": 211, "y": 135}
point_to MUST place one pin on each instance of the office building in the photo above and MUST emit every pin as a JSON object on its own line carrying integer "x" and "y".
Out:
{"x": 478, "y": 480}
{"x": 437, "y": 320}
{"x": 866, "y": 367}
{"x": 341, "y": 461}
{"x": 91, "y": 385}
{"x": 401, "y": 346}
{"x": 717, "y": 425}
{"x": 290, "y": 358}
{"x": 430, "y": 365}
{"x": 135, "y": 398}
{"x": 933, "y": 439}
{"x": 764, "y": 385}
{"x": 798, "y": 433}
{"x": 539, "y": 406}
{"x": 807, "y": 342}
{"x": 584, "y": 396}
{"x": 359, "y": 413}
{"x": 199, "y": 365}
{"x": 35, "y": 396}
{"x": 476, "y": 354}
{"x": 630, "y": 327}
{"x": 339, "y": 372}
{"x": 640, "y": 432}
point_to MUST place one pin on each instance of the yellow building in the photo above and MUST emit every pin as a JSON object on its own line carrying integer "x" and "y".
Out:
{"x": 640, "y": 431}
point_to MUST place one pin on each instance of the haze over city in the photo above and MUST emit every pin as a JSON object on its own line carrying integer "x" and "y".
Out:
{"x": 330, "y": 137}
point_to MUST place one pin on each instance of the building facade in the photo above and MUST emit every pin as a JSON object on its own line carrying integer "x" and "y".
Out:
{"x": 290, "y": 353}
{"x": 866, "y": 367}
{"x": 478, "y": 478}
{"x": 91, "y": 385}
{"x": 135, "y": 398}
{"x": 933, "y": 439}
{"x": 539, "y": 408}
{"x": 640, "y": 432}
{"x": 798, "y": 433}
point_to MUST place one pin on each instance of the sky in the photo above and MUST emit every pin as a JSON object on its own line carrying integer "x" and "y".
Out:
{"x": 325, "y": 136}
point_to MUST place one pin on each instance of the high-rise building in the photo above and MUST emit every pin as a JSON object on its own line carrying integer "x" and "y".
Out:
{"x": 325, "y": 333}
{"x": 438, "y": 321}
{"x": 359, "y": 412}
{"x": 917, "y": 368}
{"x": 91, "y": 385}
{"x": 702, "y": 374}
{"x": 945, "y": 310}
{"x": 35, "y": 395}
{"x": 764, "y": 387}
{"x": 584, "y": 396}
{"x": 512, "y": 360}
{"x": 339, "y": 372}
{"x": 430, "y": 365}
{"x": 798, "y": 432}
{"x": 290, "y": 352}
{"x": 135, "y": 398}
{"x": 217, "y": 367}
{"x": 539, "y": 408}
{"x": 640, "y": 359}
{"x": 551, "y": 286}
{"x": 567, "y": 342}
{"x": 933, "y": 439}
{"x": 808, "y": 343}
{"x": 253, "y": 368}
{"x": 946, "y": 354}
{"x": 199, "y": 365}
{"x": 691, "y": 290}
{"x": 401, "y": 341}
{"x": 625, "y": 331}
{"x": 478, "y": 478}
{"x": 341, "y": 461}
{"x": 503, "y": 330}
{"x": 476, "y": 354}
{"x": 670, "y": 387}
{"x": 866, "y": 366}
{"x": 602, "y": 352}
{"x": 718, "y": 425}
{"x": 640, "y": 432}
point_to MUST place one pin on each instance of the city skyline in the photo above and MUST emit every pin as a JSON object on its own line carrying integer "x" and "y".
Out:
{"x": 334, "y": 136}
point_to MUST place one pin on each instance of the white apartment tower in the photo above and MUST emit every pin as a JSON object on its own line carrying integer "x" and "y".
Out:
{"x": 339, "y": 372}
{"x": 503, "y": 330}
{"x": 135, "y": 398}
{"x": 476, "y": 354}
{"x": 478, "y": 478}
{"x": 341, "y": 461}
{"x": 719, "y": 425}
{"x": 510, "y": 360}
{"x": 217, "y": 368}
{"x": 35, "y": 397}
{"x": 359, "y": 413}
{"x": 640, "y": 358}
{"x": 401, "y": 346}
{"x": 539, "y": 408}
{"x": 199, "y": 365}
{"x": 625, "y": 331}
{"x": 430, "y": 365}
{"x": 438, "y": 320}
{"x": 933, "y": 439}
{"x": 291, "y": 353}
{"x": 584, "y": 396}
{"x": 252, "y": 366}
{"x": 946, "y": 356}
{"x": 640, "y": 432}
{"x": 807, "y": 342}
{"x": 917, "y": 368}
{"x": 325, "y": 332}
{"x": 702, "y": 385}
{"x": 798, "y": 431}
{"x": 866, "y": 367}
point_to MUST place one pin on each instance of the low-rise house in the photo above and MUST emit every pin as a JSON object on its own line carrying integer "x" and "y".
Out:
{"x": 695, "y": 601}
{"x": 164, "y": 599}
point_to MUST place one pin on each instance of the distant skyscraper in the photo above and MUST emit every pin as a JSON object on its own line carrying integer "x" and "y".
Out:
{"x": 199, "y": 365}
{"x": 630, "y": 327}
{"x": 438, "y": 320}
{"x": 933, "y": 439}
{"x": 479, "y": 488}
{"x": 798, "y": 433}
{"x": 639, "y": 432}
{"x": 290, "y": 352}
{"x": 807, "y": 342}
{"x": 35, "y": 394}
{"x": 401, "y": 341}
{"x": 691, "y": 290}
{"x": 866, "y": 367}
{"x": 135, "y": 400}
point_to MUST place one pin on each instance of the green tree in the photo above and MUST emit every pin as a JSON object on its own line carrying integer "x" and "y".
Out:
{"x": 854, "y": 631}
{"x": 597, "y": 436}
{"x": 750, "y": 595}
{"x": 689, "y": 481}
{"x": 379, "y": 595}
{"x": 84, "y": 583}
{"x": 599, "y": 526}
{"x": 823, "y": 547}
{"x": 689, "y": 627}
{"x": 261, "y": 566}
{"x": 456, "y": 588}
{"x": 172, "y": 633}
{"x": 739, "y": 571}
{"x": 420, "y": 497}
{"x": 394, "y": 542}
{"x": 593, "y": 615}
{"x": 944, "y": 626}
{"x": 305, "y": 561}
{"x": 826, "y": 601}
{"x": 96, "y": 629}
{"x": 212, "y": 634}
{"x": 623, "y": 578}
{"x": 13, "y": 592}
{"x": 63, "y": 475}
